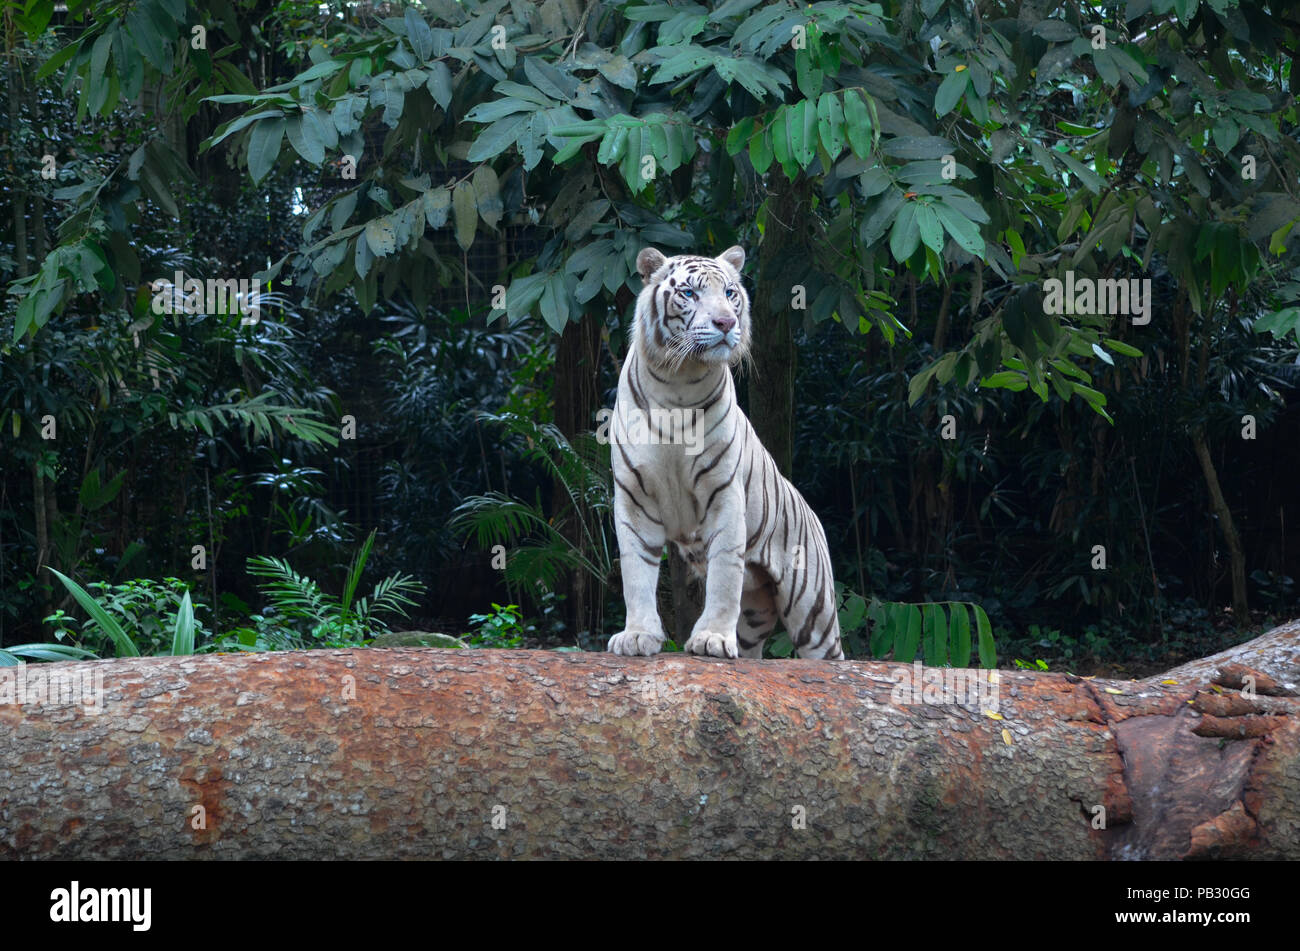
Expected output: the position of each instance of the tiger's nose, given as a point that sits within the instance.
(724, 323)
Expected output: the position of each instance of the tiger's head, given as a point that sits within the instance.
(692, 308)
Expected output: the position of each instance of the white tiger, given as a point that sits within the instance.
(689, 469)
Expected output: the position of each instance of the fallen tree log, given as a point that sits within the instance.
(416, 753)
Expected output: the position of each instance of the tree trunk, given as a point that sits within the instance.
(1236, 555)
(771, 384)
(577, 366)
(687, 597)
(428, 753)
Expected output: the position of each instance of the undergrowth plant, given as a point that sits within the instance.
(306, 616)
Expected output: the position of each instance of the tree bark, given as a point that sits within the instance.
(771, 384)
(1236, 554)
(577, 384)
(413, 753)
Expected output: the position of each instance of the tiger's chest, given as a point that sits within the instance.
(682, 464)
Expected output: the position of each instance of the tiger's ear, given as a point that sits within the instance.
(649, 261)
(735, 256)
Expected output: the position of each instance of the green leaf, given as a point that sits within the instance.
(988, 653)
(499, 109)
(802, 126)
(1005, 380)
(917, 147)
(931, 231)
(830, 124)
(807, 77)
(436, 202)
(760, 150)
(1091, 180)
(963, 231)
(858, 123)
(421, 37)
(555, 303)
(523, 293)
(183, 635)
(739, 135)
(58, 59)
(465, 211)
(935, 637)
(619, 70)
(264, 147)
(908, 625)
(439, 84)
(1055, 31)
(148, 39)
(381, 236)
(905, 236)
(1122, 348)
(882, 215)
(1107, 67)
(305, 139)
(583, 222)
(950, 92)
(960, 645)
(487, 195)
(496, 138)
(125, 646)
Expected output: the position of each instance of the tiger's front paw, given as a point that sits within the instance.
(712, 645)
(635, 643)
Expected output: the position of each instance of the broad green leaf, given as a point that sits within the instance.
(465, 211)
(935, 636)
(801, 123)
(988, 653)
(931, 231)
(487, 195)
(857, 123)
(439, 83)
(436, 202)
(963, 231)
(830, 124)
(264, 147)
(882, 215)
(305, 139)
(499, 109)
(740, 135)
(421, 37)
(950, 92)
(381, 236)
(908, 625)
(496, 138)
(905, 236)
(960, 643)
(555, 303)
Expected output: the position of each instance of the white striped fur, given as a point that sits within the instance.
(735, 519)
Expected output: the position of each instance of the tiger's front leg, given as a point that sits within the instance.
(724, 537)
(640, 547)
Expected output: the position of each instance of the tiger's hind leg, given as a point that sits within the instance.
(813, 623)
(806, 601)
(757, 612)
